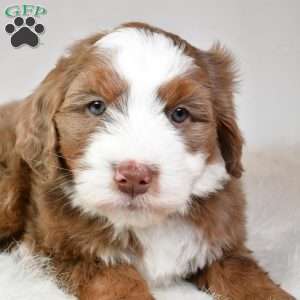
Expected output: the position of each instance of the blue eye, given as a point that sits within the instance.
(97, 108)
(179, 115)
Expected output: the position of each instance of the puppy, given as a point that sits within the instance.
(123, 167)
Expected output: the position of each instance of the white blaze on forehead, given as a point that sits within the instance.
(144, 59)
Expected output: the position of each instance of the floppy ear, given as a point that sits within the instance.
(35, 132)
(222, 78)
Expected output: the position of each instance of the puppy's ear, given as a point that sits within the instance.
(222, 79)
(35, 132)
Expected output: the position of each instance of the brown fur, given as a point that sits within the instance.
(200, 131)
(237, 276)
(42, 137)
(119, 282)
(13, 181)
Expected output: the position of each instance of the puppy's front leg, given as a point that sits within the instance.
(120, 282)
(238, 277)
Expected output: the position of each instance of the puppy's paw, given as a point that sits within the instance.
(121, 282)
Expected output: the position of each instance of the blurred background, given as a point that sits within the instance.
(264, 36)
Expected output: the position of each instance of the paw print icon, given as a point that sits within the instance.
(24, 32)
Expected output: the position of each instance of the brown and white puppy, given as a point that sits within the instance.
(123, 167)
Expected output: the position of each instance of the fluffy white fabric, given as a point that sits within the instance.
(272, 188)
(22, 278)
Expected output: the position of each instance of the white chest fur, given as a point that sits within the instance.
(172, 250)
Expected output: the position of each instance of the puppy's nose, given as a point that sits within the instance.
(133, 178)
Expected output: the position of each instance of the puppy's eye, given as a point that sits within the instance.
(97, 108)
(179, 115)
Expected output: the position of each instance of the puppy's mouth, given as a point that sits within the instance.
(137, 203)
(134, 202)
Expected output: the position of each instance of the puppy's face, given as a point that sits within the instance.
(138, 129)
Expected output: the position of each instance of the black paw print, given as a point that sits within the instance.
(24, 34)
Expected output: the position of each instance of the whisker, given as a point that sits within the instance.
(51, 165)
(61, 156)
(58, 186)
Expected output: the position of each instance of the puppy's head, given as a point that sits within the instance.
(141, 119)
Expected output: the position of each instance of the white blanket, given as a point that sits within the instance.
(272, 185)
